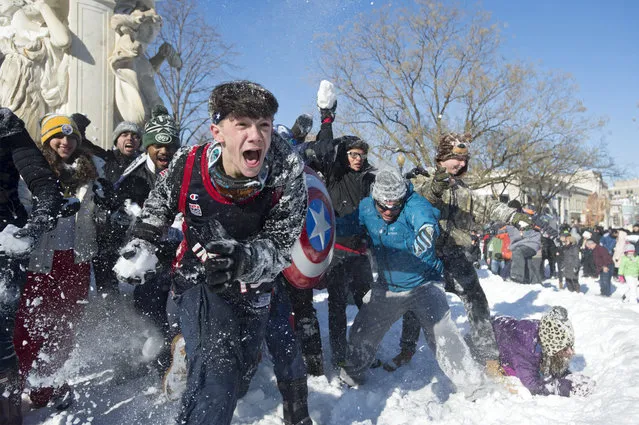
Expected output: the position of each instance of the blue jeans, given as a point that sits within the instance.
(496, 266)
(604, 281)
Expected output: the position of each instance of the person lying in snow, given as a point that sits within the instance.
(538, 352)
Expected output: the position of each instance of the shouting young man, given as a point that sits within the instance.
(244, 201)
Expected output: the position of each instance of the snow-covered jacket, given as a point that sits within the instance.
(629, 266)
(20, 157)
(404, 262)
(84, 246)
(461, 208)
(520, 355)
(282, 225)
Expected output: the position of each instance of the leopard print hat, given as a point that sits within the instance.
(555, 331)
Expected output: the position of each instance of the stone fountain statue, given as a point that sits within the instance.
(34, 42)
(137, 24)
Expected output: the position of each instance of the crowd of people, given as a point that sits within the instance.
(596, 252)
(205, 232)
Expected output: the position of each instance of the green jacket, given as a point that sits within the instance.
(629, 266)
(461, 209)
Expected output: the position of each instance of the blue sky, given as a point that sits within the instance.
(597, 42)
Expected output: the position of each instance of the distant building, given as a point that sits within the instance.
(624, 203)
(572, 204)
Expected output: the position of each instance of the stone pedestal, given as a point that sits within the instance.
(91, 83)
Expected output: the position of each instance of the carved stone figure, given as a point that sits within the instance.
(135, 90)
(34, 41)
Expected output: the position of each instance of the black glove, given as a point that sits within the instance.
(223, 257)
(417, 171)
(521, 220)
(70, 206)
(225, 263)
(120, 218)
(104, 194)
(441, 181)
(328, 115)
(35, 227)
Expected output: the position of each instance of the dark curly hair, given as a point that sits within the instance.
(241, 99)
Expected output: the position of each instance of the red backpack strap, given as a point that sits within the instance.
(186, 178)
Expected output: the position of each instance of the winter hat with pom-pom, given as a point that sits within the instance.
(160, 129)
(389, 185)
(555, 331)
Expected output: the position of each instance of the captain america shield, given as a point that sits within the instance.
(313, 251)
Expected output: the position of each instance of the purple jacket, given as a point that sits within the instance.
(520, 356)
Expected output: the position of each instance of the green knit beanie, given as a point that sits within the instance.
(160, 129)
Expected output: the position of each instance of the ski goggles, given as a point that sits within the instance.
(389, 207)
(356, 155)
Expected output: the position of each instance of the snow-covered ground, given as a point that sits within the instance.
(104, 365)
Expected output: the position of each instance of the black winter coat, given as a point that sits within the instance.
(19, 156)
(570, 263)
(282, 225)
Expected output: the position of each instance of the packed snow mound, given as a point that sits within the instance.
(606, 344)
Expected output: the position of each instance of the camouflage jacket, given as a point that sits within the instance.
(461, 209)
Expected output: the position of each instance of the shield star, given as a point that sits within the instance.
(321, 225)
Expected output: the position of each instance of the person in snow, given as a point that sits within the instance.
(461, 209)
(403, 227)
(19, 157)
(60, 265)
(244, 201)
(569, 264)
(126, 144)
(525, 243)
(629, 273)
(348, 176)
(161, 140)
(603, 263)
(126, 138)
(538, 352)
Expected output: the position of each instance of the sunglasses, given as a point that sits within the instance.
(356, 155)
(391, 208)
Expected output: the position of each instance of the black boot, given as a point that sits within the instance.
(295, 402)
(10, 398)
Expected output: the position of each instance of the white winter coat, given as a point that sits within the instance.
(85, 246)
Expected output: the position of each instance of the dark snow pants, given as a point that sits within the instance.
(306, 323)
(223, 335)
(281, 338)
(348, 274)
(461, 279)
(13, 276)
(288, 364)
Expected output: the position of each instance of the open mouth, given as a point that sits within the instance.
(252, 157)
